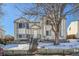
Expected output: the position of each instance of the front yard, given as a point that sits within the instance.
(44, 48)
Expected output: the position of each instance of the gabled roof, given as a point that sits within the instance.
(23, 18)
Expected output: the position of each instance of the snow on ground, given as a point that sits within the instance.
(10, 46)
(72, 44)
(16, 47)
(1, 45)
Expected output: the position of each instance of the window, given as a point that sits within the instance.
(20, 35)
(27, 25)
(48, 33)
(21, 25)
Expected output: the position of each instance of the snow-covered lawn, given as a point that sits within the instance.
(72, 44)
(16, 47)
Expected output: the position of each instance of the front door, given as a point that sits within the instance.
(35, 33)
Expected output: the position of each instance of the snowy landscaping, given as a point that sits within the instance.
(44, 48)
(16, 47)
(67, 45)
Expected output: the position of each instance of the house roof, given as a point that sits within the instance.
(23, 18)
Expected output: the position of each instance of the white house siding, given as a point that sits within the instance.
(45, 28)
(40, 27)
(62, 34)
(22, 31)
(63, 29)
(48, 28)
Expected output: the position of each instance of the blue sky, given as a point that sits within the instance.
(8, 18)
(11, 13)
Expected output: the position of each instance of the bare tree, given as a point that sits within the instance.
(54, 13)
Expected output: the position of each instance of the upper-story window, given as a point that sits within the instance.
(27, 25)
(20, 35)
(21, 25)
(48, 33)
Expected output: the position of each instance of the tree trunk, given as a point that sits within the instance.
(56, 42)
(33, 46)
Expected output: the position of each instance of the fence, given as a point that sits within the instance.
(15, 52)
(57, 51)
(42, 51)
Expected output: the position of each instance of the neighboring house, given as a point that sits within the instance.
(24, 29)
(73, 30)
(8, 38)
(2, 33)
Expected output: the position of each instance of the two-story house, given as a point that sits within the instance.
(24, 29)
